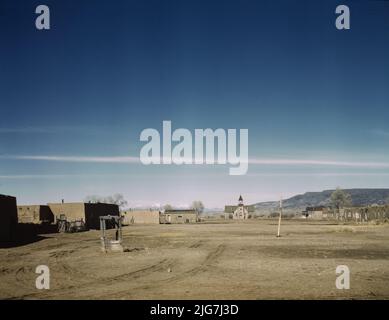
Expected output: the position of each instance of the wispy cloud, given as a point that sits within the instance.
(58, 176)
(73, 158)
(253, 175)
(316, 162)
(34, 176)
(252, 161)
(270, 174)
(40, 129)
(26, 130)
(49, 129)
(320, 174)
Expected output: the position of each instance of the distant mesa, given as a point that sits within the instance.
(359, 197)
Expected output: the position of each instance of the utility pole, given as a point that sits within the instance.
(279, 219)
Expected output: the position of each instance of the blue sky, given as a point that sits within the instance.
(75, 98)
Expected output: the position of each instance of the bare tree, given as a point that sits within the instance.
(340, 199)
(198, 206)
(117, 199)
(167, 207)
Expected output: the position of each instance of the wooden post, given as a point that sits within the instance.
(279, 219)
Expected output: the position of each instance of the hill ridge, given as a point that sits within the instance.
(359, 197)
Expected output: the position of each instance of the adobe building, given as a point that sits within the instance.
(8, 216)
(318, 212)
(37, 214)
(88, 212)
(140, 217)
(239, 212)
(178, 216)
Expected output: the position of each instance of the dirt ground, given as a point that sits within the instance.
(214, 260)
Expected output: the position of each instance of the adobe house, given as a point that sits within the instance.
(140, 217)
(9, 217)
(239, 212)
(88, 212)
(37, 214)
(318, 212)
(179, 216)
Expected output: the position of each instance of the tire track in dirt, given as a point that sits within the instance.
(104, 283)
(66, 269)
(24, 275)
(197, 244)
(204, 265)
(61, 254)
(162, 265)
(66, 242)
(98, 282)
(210, 258)
(93, 284)
(5, 271)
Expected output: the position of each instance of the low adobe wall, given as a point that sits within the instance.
(178, 218)
(35, 214)
(72, 211)
(88, 212)
(141, 217)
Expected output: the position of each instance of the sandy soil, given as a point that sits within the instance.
(234, 260)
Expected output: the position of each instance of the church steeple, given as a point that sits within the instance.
(240, 200)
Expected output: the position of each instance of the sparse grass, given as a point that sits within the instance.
(378, 222)
(343, 229)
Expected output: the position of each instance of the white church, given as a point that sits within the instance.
(239, 212)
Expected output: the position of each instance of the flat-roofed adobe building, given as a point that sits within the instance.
(318, 212)
(179, 216)
(88, 212)
(141, 217)
(37, 214)
(8, 217)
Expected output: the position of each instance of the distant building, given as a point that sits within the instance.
(140, 217)
(318, 212)
(179, 216)
(8, 217)
(87, 212)
(36, 214)
(239, 212)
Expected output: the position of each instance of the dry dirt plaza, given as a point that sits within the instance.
(211, 260)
